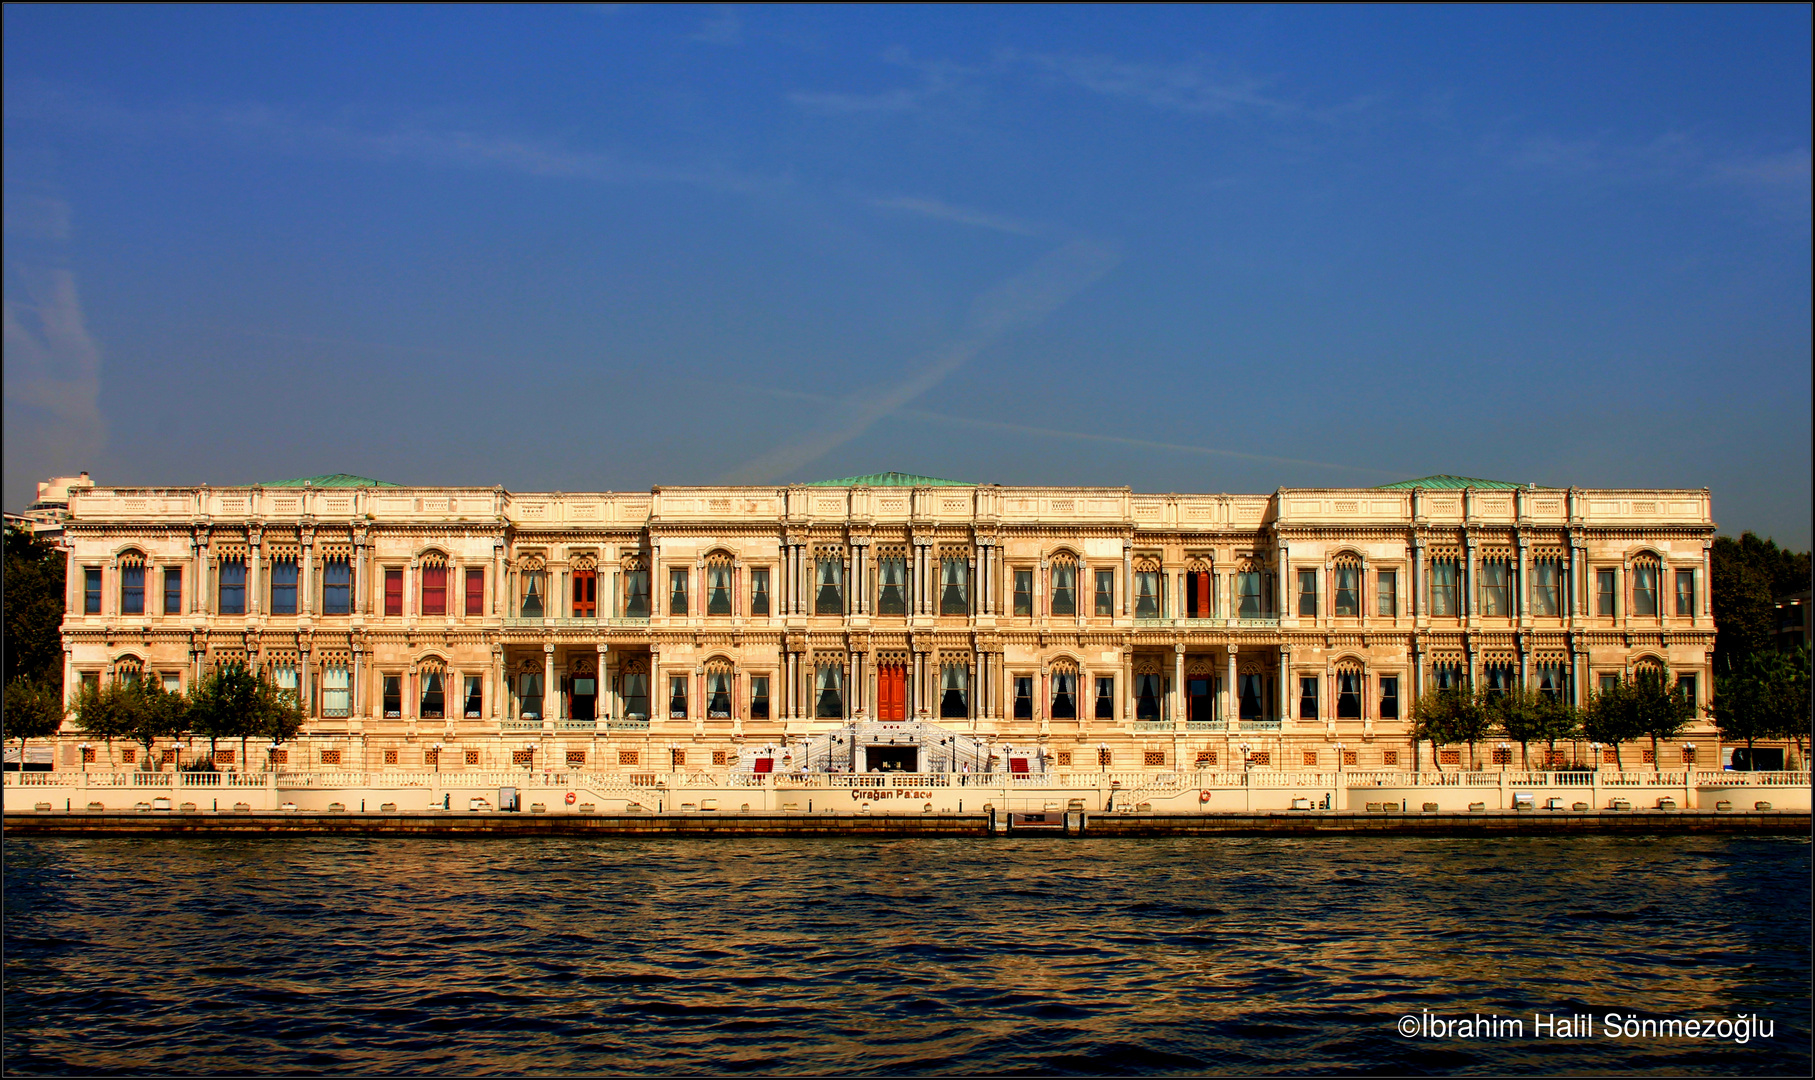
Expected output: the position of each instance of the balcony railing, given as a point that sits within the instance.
(1152, 725)
(627, 723)
(518, 622)
(1260, 725)
(1206, 725)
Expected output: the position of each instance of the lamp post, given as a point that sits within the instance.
(83, 747)
(1246, 761)
(1503, 754)
(271, 756)
(437, 759)
(1341, 753)
(1594, 748)
(529, 763)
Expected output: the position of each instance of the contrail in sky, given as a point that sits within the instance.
(1021, 301)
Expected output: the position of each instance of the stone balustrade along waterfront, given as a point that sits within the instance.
(1211, 792)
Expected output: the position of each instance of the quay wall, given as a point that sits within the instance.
(1071, 825)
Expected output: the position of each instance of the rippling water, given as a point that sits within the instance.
(891, 956)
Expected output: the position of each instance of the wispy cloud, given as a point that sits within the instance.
(725, 27)
(961, 215)
(1023, 300)
(420, 142)
(52, 375)
(1780, 182)
(1194, 87)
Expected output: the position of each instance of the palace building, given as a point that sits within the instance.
(460, 627)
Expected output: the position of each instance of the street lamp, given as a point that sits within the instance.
(1341, 753)
(271, 755)
(1688, 753)
(1594, 748)
(1246, 760)
(1504, 753)
(83, 747)
(437, 758)
(529, 754)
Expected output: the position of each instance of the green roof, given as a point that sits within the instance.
(1443, 481)
(331, 480)
(889, 479)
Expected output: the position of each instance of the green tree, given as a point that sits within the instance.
(104, 711)
(1522, 715)
(1766, 696)
(34, 710)
(1473, 722)
(34, 571)
(280, 712)
(1562, 720)
(1748, 574)
(1659, 711)
(225, 705)
(1612, 718)
(1433, 719)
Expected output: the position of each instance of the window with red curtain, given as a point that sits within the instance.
(393, 592)
(434, 590)
(585, 594)
(475, 592)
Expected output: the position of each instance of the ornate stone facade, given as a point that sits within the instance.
(452, 626)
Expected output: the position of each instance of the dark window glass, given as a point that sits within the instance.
(173, 590)
(1024, 593)
(1388, 582)
(1685, 686)
(132, 590)
(954, 589)
(830, 598)
(336, 587)
(393, 592)
(1389, 697)
(831, 692)
(1644, 589)
(1250, 697)
(474, 696)
(1147, 594)
(432, 704)
(1024, 698)
(1307, 593)
(283, 587)
(1064, 588)
(1146, 697)
(1247, 591)
(718, 591)
(677, 592)
(677, 695)
(636, 697)
(759, 697)
(91, 591)
(1105, 709)
(532, 594)
(585, 696)
(636, 594)
(393, 695)
(891, 581)
(1685, 592)
(1348, 591)
(233, 587)
(1105, 593)
(1605, 586)
(1307, 698)
(759, 592)
(1348, 695)
(529, 695)
(1064, 695)
(952, 703)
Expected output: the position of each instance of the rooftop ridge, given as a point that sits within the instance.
(1445, 481)
(330, 480)
(889, 479)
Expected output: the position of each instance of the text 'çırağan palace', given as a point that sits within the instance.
(685, 623)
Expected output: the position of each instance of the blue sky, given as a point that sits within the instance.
(1180, 249)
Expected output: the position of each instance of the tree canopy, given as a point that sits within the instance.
(34, 710)
(34, 608)
(1748, 574)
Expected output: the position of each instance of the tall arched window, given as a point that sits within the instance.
(1200, 590)
(1644, 585)
(529, 692)
(434, 584)
(1547, 572)
(1553, 678)
(1346, 575)
(233, 585)
(336, 685)
(954, 589)
(636, 590)
(1064, 585)
(1348, 691)
(891, 581)
(1448, 674)
(954, 695)
(636, 689)
(586, 587)
(132, 583)
(830, 695)
(1064, 692)
(718, 585)
(1445, 595)
(432, 676)
(718, 690)
(830, 597)
(1148, 690)
(531, 572)
(1496, 587)
(337, 585)
(1500, 676)
(1147, 589)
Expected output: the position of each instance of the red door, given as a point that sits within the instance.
(891, 692)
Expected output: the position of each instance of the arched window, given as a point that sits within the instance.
(1251, 600)
(531, 572)
(128, 670)
(337, 584)
(1252, 685)
(1445, 595)
(1148, 691)
(283, 580)
(132, 583)
(1553, 678)
(586, 586)
(1064, 692)
(891, 581)
(1448, 674)
(1200, 590)
(954, 695)
(1348, 691)
(1064, 585)
(529, 692)
(954, 589)
(1496, 587)
(636, 591)
(432, 675)
(636, 689)
(830, 598)
(718, 585)
(718, 690)
(1500, 676)
(831, 692)
(336, 685)
(1347, 587)
(1146, 589)
(1644, 585)
(1547, 573)
(233, 585)
(434, 583)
